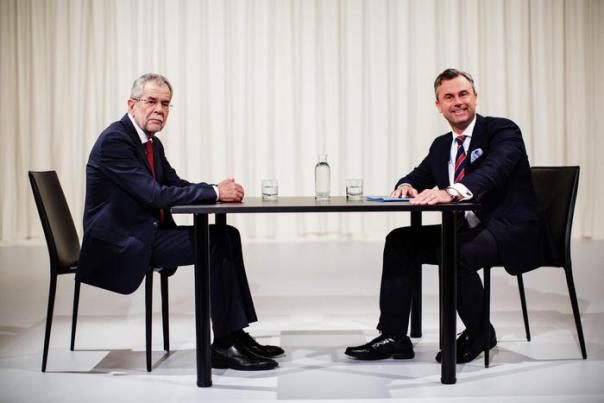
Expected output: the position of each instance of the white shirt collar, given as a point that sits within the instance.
(467, 132)
(141, 134)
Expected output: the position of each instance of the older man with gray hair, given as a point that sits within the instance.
(128, 228)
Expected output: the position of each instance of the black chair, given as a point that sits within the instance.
(64, 251)
(556, 190)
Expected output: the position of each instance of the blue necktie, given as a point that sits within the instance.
(460, 159)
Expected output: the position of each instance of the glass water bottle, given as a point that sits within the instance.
(322, 178)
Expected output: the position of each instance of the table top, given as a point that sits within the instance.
(308, 204)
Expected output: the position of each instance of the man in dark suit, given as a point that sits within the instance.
(483, 159)
(128, 228)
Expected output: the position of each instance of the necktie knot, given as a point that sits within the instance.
(460, 140)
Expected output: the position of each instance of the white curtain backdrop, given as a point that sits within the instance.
(262, 87)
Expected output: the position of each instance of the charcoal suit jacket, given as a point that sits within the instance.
(123, 200)
(497, 172)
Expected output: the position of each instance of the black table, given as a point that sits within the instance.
(448, 275)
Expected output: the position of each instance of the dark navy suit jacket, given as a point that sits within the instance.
(500, 179)
(121, 213)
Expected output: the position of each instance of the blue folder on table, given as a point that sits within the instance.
(388, 199)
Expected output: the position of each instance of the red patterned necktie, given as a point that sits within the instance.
(151, 160)
(460, 159)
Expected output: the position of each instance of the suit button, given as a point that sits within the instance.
(155, 223)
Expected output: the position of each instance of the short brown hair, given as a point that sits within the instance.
(450, 74)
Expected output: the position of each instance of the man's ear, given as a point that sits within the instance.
(131, 103)
(437, 104)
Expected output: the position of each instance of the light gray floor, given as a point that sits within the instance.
(314, 299)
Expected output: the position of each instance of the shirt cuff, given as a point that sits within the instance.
(217, 192)
(464, 192)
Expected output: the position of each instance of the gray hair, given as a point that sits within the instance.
(139, 84)
(450, 74)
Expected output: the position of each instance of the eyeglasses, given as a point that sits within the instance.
(151, 102)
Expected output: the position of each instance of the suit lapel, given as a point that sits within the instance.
(138, 146)
(442, 161)
(477, 142)
(157, 160)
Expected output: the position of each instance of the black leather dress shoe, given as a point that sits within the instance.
(248, 342)
(469, 348)
(238, 357)
(383, 346)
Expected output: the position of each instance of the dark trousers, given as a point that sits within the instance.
(409, 246)
(232, 306)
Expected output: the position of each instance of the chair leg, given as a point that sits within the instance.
(148, 316)
(164, 310)
(573, 301)
(527, 329)
(416, 306)
(487, 314)
(74, 316)
(51, 304)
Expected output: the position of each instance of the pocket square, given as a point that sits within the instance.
(475, 155)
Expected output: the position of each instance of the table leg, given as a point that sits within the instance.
(202, 300)
(220, 218)
(448, 286)
(416, 300)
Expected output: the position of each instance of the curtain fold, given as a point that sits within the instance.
(261, 87)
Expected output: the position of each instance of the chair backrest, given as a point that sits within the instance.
(556, 189)
(60, 232)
